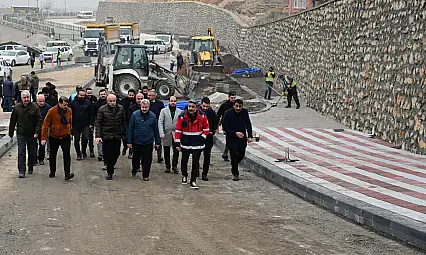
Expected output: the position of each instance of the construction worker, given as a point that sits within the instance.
(269, 77)
(290, 84)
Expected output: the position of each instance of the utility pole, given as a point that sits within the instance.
(28, 3)
(37, 3)
(65, 1)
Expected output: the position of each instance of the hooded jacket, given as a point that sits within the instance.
(189, 134)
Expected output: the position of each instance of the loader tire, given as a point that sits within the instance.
(164, 89)
(125, 82)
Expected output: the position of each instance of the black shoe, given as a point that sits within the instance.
(92, 155)
(160, 160)
(21, 175)
(146, 179)
(184, 180)
(204, 178)
(297, 107)
(109, 177)
(69, 176)
(288, 106)
(130, 156)
(104, 168)
(41, 162)
(52, 175)
(79, 158)
(35, 164)
(140, 170)
(84, 155)
(100, 159)
(30, 171)
(193, 185)
(167, 170)
(225, 157)
(134, 172)
(175, 170)
(123, 152)
(236, 178)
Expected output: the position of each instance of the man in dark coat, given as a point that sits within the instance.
(82, 115)
(7, 95)
(27, 117)
(101, 101)
(92, 98)
(237, 125)
(156, 106)
(213, 124)
(126, 103)
(232, 96)
(110, 130)
(44, 108)
(53, 94)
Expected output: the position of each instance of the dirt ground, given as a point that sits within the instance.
(68, 79)
(90, 215)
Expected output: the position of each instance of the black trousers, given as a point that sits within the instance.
(236, 158)
(82, 133)
(195, 163)
(207, 156)
(292, 93)
(111, 152)
(91, 144)
(142, 154)
(41, 153)
(175, 159)
(268, 89)
(65, 144)
(26, 143)
(41, 64)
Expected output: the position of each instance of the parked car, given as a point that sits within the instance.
(11, 47)
(52, 52)
(16, 57)
(155, 45)
(5, 70)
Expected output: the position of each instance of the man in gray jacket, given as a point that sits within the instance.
(167, 126)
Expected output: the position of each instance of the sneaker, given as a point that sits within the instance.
(146, 179)
(288, 106)
(134, 172)
(21, 175)
(204, 178)
(92, 155)
(69, 176)
(30, 171)
(100, 158)
(184, 180)
(104, 167)
(79, 158)
(236, 178)
(109, 177)
(52, 175)
(193, 185)
(41, 162)
(167, 170)
(297, 107)
(225, 157)
(175, 171)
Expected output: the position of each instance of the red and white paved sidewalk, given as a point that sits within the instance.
(350, 163)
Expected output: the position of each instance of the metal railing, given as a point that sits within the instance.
(72, 27)
(26, 25)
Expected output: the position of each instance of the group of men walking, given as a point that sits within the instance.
(140, 124)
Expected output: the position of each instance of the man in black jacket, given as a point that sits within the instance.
(92, 98)
(126, 103)
(213, 124)
(44, 108)
(28, 118)
(237, 126)
(101, 101)
(135, 107)
(82, 122)
(53, 95)
(156, 106)
(110, 130)
(232, 96)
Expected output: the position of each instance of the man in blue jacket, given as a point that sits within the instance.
(7, 94)
(237, 125)
(141, 135)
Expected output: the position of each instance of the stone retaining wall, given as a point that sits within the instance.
(358, 61)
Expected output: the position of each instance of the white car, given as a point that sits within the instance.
(155, 45)
(51, 53)
(16, 57)
(11, 47)
(5, 70)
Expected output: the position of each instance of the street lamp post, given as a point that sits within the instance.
(65, 1)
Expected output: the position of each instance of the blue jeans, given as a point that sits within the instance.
(172, 66)
(7, 104)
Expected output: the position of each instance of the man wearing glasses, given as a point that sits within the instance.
(237, 125)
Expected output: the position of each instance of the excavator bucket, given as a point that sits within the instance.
(208, 69)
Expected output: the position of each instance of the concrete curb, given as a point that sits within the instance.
(6, 144)
(378, 219)
(58, 68)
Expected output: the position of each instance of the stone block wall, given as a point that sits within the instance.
(361, 62)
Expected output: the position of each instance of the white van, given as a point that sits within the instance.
(85, 15)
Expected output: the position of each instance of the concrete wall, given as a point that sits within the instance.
(358, 61)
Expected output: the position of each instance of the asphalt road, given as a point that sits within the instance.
(90, 215)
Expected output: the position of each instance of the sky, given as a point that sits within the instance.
(90, 5)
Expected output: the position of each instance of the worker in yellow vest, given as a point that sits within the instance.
(290, 84)
(270, 78)
(58, 57)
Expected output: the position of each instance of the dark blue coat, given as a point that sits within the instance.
(156, 107)
(8, 88)
(143, 130)
(234, 122)
(44, 110)
(82, 113)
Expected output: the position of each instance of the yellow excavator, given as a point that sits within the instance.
(205, 53)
